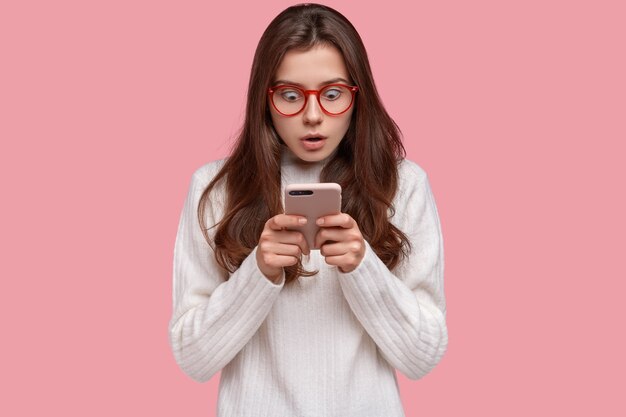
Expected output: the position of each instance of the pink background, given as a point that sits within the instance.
(515, 109)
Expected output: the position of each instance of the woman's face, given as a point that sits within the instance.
(312, 70)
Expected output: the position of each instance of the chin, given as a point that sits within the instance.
(311, 158)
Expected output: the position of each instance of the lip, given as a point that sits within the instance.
(313, 135)
(313, 146)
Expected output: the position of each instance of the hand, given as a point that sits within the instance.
(346, 248)
(278, 248)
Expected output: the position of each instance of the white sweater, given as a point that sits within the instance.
(326, 345)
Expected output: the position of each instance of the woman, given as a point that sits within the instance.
(295, 331)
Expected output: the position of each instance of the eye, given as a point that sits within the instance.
(332, 93)
(289, 94)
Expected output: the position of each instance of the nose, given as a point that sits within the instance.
(312, 111)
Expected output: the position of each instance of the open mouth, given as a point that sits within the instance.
(314, 143)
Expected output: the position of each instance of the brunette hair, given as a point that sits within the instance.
(371, 148)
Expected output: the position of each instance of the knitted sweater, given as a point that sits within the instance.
(323, 346)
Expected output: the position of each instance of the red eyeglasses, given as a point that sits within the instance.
(334, 99)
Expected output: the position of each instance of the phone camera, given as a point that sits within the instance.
(301, 192)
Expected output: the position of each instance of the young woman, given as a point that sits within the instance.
(295, 331)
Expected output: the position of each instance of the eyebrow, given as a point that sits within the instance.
(334, 80)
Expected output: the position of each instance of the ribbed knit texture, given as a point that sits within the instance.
(326, 345)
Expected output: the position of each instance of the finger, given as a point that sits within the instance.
(290, 237)
(343, 220)
(281, 221)
(294, 238)
(281, 249)
(335, 234)
(278, 261)
(345, 263)
(335, 260)
(335, 249)
(304, 245)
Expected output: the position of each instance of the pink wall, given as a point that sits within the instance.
(515, 109)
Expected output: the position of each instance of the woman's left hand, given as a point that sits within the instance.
(346, 248)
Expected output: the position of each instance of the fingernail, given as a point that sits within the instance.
(320, 221)
(302, 220)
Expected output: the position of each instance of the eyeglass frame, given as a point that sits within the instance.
(353, 89)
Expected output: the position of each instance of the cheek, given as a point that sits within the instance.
(277, 121)
(346, 122)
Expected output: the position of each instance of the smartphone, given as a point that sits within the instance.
(312, 201)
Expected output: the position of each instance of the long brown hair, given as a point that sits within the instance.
(370, 148)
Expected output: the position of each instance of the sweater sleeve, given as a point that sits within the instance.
(404, 311)
(213, 317)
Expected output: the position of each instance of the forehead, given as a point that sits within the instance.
(312, 67)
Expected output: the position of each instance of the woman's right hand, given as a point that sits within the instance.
(278, 247)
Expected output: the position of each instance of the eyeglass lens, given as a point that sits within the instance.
(334, 99)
